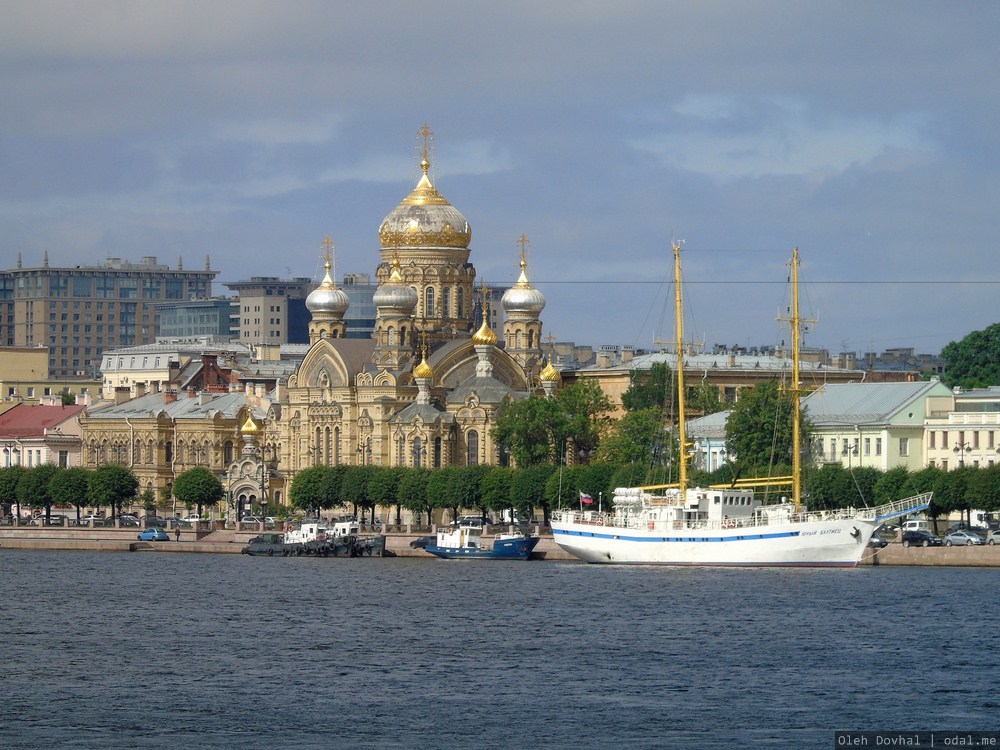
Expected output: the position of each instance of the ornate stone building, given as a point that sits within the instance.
(425, 390)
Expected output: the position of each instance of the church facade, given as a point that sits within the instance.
(425, 390)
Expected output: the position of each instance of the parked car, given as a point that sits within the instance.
(194, 518)
(251, 519)
(154, 521)
(154, 534)
(94, 518)
(877, 542)
(177, 523)
(920, 539)
(963, 538)
(127, 519)
(991, 536)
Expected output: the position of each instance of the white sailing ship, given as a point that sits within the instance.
(681, 525)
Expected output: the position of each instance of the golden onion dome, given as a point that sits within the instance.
(395, 294)
(549, 374)
(425, 219)
(522, 297)
(249, 427)
(485, 335)
(423, 370)
(326, 297)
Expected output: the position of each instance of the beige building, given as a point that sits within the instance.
(24, 379)
(425, 390)
(963, 429)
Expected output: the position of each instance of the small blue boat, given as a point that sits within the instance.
(464, 540)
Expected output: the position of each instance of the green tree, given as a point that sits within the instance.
(310, 490)
(442, 489)
(413, 492)
(198, 487)
(68, 399)
(974, 361)
(111, 485)
(586, 414)
(383, 487)
(354, 486)
(654, 388)
(69, 487)
(633, 438)
(33, 487)
(495, 489)
(9, 477)
(527, 489)
(894, 484)
(759, 428)
(528, 428)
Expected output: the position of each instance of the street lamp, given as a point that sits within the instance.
(961, 450)
(849, 451)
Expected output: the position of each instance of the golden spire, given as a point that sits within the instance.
(549, 373)
(523, 242)
(423, 370)
(396, 277)
(328, 244)
(485, 335)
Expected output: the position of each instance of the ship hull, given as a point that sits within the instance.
(839, 543)
(502, 549)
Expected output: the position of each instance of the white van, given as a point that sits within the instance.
(917, 525)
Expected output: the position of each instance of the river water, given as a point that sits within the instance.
(155, 650)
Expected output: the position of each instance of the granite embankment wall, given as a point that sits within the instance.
(216, 542)
(232, 542)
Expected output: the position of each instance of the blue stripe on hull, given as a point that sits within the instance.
(622, 538)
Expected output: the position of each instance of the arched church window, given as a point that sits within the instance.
(227, 452)
(429, 302)
(517, 340)
(392, 336)
(437, 453)
(459, 302)
(446, 302)
(168, 451)
(473, 455)
(531, 339)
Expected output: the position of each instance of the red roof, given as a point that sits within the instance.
(31, 421)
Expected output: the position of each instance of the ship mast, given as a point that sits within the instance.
(679, 343)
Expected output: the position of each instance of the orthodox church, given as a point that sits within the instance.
(425, 390)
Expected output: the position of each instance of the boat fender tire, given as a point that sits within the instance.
(650, 525)
(270, 553)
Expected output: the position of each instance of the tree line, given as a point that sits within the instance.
(109, 486)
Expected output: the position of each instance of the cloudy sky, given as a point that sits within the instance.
(864, 133)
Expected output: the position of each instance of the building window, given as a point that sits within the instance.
(473, 453)
(868, 446)
(904, 447)
(429, 302)
(878, 446)
(930, 439)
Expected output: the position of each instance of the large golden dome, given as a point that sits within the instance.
(425, 219)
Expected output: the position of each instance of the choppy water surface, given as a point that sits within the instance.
(226, 651)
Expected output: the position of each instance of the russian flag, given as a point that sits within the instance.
(586, 499)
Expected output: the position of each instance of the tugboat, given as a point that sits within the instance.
(266, 545)
(464, 540)
(343, 539)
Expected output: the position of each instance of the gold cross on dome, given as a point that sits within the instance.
(426, 136)
(523, 242)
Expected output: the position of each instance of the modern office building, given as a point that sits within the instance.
(216, 317)
(273, 310)
(80, 311)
